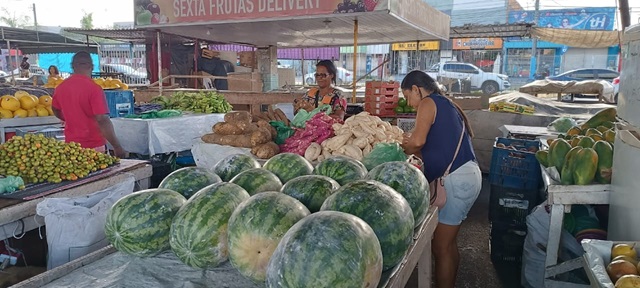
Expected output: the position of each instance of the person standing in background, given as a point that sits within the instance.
(82, 104)
(24, 67)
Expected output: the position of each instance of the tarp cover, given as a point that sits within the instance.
(164, 270)
(578, 38)
(548, 106)
(596, 87)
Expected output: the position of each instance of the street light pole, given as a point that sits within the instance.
(533, 67)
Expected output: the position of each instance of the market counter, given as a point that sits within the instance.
(109, 268)
(159, 136)
(21, 215)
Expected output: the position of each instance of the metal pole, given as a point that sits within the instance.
(533, 68)
(35, 21)
(9, 48)
(302, 67)
(159, 48)
(355, 59)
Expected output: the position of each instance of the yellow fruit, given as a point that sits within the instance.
(124, 86)
(10, 103)
(626, 258)
(34, 97)
(5, 114)
(5, 96)
(27, 102)
(32, 112)
(624, 249)
(45, 100)
(21, 113)
(628, 281)
(42, 111)
(619, 268)
(50, 111)
(20, 93)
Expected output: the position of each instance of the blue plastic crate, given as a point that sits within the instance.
(512, 206)
(120, 102)
(515, 168)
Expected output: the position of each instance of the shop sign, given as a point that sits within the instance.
(477, 43)
(588, 18)
(167, 12)
(412, 46)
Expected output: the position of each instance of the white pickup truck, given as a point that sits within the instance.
(489, 83)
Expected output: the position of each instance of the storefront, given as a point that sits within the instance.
(482, 52)
(409, 56)
(517, 60)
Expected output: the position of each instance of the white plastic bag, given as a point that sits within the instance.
(75, 226)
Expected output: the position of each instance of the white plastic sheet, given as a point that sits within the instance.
(208, 155)
(75, 226)
(598, 253)
(164, 270)
(158, 136)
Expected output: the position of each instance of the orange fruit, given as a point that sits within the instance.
(45, 100)
(10, 103)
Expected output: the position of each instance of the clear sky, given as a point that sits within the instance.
(67, 13)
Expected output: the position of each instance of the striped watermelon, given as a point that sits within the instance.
(256, 227)
(288, 166)
(407, 180)
(199, 229)
(327, 249)
(311, 190)
(232, 165)
(139, 223)
(187, 181)
(384, 209)
(257, 180)
(342, 169)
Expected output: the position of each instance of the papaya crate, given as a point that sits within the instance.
(596, 257)
(514, 164)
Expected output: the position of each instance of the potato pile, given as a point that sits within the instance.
(355, 138)
(239, 130)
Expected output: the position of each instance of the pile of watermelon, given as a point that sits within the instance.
(280, 224)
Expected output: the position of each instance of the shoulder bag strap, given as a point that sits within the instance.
(317, 96)
(455, 155)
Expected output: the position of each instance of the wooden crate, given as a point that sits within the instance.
(470, 102)
(248, 59)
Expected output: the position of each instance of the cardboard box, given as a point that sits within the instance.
(248, 59)
(286, 76)
(469, 102)
(241, 81)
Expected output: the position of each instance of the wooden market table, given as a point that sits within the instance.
(21, 214)
(560, 198)
(419, 253)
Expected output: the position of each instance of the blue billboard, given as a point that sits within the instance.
(597, 18)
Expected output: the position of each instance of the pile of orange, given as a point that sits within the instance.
(22, 105)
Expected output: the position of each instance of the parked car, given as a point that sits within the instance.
(344, 76)
(586, 74)
(129, 74)
(33, 70)
(489, 83)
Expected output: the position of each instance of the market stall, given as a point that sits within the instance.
(17, 210)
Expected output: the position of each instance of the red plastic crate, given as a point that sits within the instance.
(380, 109)
(382, 88)
(381, 98)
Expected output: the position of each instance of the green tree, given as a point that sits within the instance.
(14, 20)
(87, 21)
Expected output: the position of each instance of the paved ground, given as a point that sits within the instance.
(476, 268)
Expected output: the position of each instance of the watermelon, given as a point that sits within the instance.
(199, 229)
(256, 227)
(407, 180)
(288, 166)
(139, 223)
(257, 180)
(232, 165)
(327, 249)
(187, 181)
(342, 169)
(384, 209)
(311, 190)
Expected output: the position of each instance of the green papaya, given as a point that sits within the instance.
(602, 129)
(592, 131)
(585, 165)
(559, 152)
(609, 124)
(610, 136)
(604, 115)
(566, 175)
(550, 161)
(586, 142)
(542, 156)
(575, 130)
(605, 161)
(575, 140)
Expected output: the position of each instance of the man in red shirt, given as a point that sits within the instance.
(83, 106)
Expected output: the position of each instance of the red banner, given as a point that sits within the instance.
(163, 12)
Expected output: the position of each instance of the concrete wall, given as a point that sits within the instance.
(486, 126)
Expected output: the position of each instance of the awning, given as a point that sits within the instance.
(579, 38)
(33, 42)
(492, 31)
(139, 36)
(311, 23)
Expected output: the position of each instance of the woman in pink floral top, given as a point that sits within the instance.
(325, 93)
